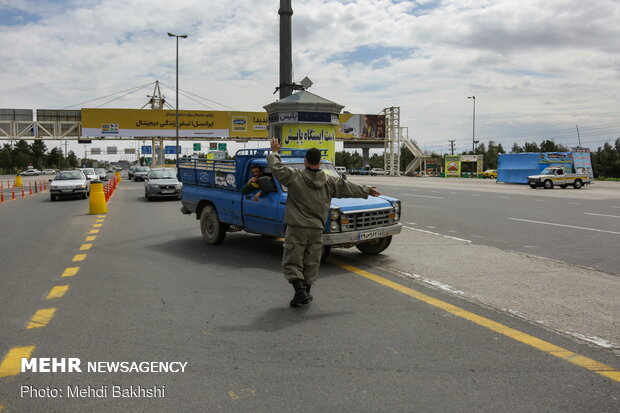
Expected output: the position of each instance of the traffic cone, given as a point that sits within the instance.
(30, 187)
(97, 199)
(13, 194)
(23, 193)
(2, 197)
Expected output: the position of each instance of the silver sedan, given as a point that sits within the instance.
(162, 183)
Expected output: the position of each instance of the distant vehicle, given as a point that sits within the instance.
(162, 183)
(31, 172)
(341, 169)
(69, 184)
(490, 173)
(103, 175)
(557, 176)
(90, 173)
(131, 170)
(377, 171)
(140, 173)
(48, 172)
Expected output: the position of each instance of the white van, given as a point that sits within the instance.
(341, 169)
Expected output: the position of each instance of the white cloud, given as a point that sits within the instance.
(532, 65)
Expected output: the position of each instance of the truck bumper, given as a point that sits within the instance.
(356, 237)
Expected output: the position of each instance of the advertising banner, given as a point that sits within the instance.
(453, 165)
(369, 127)
(582, 161)
(248, 124)
(153, 123)
(306, 136)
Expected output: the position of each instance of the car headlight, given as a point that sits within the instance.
(80, 186)
(396, 206)
(154, 186)
(178, 186)
(334, 214)
(334, 226)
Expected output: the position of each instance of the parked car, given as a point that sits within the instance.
(377, 171)
(103, 175)
(140, 173)
(31, 172)
(162, 183)
(69, 184)
(90, 173)
(48, 172)
(490, 173)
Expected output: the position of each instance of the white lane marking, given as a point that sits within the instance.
(430, 227)
(452, 231)
(602, 215)
(562, 225)
(613, 206)
(411, 223)
(424, 196)
(505, 197)
(435, 233)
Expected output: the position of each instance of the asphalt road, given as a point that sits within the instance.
(580, 227)
(148, 289)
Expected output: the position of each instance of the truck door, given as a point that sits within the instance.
(265, 215)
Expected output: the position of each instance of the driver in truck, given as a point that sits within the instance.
(309, 195)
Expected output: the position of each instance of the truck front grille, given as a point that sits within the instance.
(368, 219)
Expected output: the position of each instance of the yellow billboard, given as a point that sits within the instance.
(306, 136)
(162, 123)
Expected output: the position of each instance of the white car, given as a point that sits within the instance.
(48, 172)
(31, 172)
(69, 183)
(90, 173)
(377, 171)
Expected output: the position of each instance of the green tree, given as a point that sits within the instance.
(516, 148)
(406, 157)
(6, 160)
(54, 159)
(38, 150)
(531, 147)
(73, 160)
(376, 161)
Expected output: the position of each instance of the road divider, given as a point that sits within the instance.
(97, 199)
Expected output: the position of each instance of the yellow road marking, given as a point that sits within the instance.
(86, 247)
(100, 216)
(11, 365)
(57, 291)
(99, 220)
(70, 271)
(2, 407)
(79, 257)
(519, 336)
(91, 238)
(93, 231)
(97, 225)
(41, 318)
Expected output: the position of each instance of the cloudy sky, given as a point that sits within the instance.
(537, 68)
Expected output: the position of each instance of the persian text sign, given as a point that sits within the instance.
(306, 136)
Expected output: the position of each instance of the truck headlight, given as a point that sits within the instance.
(334, 214)
(334, 226)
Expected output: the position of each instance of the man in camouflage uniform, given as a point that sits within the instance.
(309, 196)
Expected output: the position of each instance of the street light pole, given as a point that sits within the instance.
(473, 130)
(176, 147)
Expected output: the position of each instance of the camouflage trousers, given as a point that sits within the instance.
(302, 253)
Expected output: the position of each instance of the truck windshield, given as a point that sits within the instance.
(548, 171)
(328, 168)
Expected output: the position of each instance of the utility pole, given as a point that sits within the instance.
(451, 146)
(578, 137)
(473, 130)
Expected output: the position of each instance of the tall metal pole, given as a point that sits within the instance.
(473, 130)
(176, 147)
(286, 54)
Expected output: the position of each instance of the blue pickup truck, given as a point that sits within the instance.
(212, 191)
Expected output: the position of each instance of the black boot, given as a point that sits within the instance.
(301, 296)
(308, 287)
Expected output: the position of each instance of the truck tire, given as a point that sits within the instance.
(548, 184)
(53, 197)
(213, 231)
(533, 186)
(577, 184)
(376, 246)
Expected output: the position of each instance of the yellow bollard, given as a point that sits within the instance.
(18, 181)
(118, 175)
(97, 199)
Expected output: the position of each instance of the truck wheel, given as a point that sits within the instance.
(533, 186)
(213, 231)
(577, 184)
(375, 247)
(53, 198)
(548, 184)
